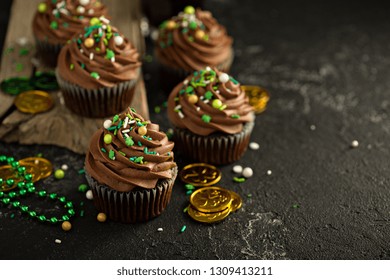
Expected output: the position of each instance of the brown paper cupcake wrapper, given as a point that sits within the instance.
(216, 148)
(97, 103)
(135, 206)
(47, 53)
(171, 77)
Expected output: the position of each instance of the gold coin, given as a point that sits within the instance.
(200, 174)
(7, 172)
(258, 97)
(207, 217)
(236, 201)
(211, 199)
(33, 102)
(45, 167)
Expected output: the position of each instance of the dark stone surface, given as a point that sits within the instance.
(325, 63)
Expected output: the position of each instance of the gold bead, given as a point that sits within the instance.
(142, 130)
(101, 217)
(199, 34)
(193, 98)
(89, 42)
(66, 226)
(171, 24)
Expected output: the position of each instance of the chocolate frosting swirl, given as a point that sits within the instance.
(193, 41)
(101, 57)
(209, 101)
(59, 21)
(130, 160)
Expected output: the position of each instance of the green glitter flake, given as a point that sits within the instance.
(129, 141)
(19, 67)
(239, 180)
(23, 52)
(95, 75)
(208, 95)
(295, 206)
(235, 116)
(111, 154)
(54, 25)
(206, 118)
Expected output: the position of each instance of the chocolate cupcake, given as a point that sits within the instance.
(211, 116)
(55, 22)
(189, 42)
(130, 168)
(97, 71)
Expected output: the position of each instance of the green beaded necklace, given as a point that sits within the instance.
(26, 186)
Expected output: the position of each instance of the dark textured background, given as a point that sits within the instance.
(325, 63)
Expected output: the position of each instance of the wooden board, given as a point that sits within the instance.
(59, 126)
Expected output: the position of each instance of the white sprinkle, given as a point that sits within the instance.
(91, 11)
(64, 11)
(208, 69)
(58, 241)
(118, 40)
(126, 122)
(126, 135)
(89, 195)
(81, 50)
(104, 26)
(178, 107)
(132, 121)
(158, 154)
(80, 9)
(160, 229)
(355, 144)
(217, 91)
(64, 167)
(184, 24)
(228, 90)
(126, 131)
(54, 11)
(59, 4)
(206, 101)
(269, 172)
(22, 41)
(223, 78)
(181, 115)
(185, 82)
(198, 109)
(201, 98)
(107, 124)
(112, 59)
(247, 172)
(100, 31)
(84, 2)
(104, 20)
(237, 169)
(254, 146)
(91, 56)
(313, 127)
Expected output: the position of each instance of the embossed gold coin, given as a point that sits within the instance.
(211, 199)
(207, 217)
(236, 201)
(200, 174)
(34, 101)
(7, 172)
(45, 167)
(258, 97)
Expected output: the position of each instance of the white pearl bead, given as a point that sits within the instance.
(355, 144)
(223, 78)
(160, 229)
(247, 172)
(84, 2)
(80, 9)
(254, 146)
(64, 167)
(237, 169)
(208, 69)
(89, 195)
(107, 124)
(269, 172)
(118, 40)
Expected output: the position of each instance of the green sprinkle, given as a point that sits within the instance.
(183, 229)
(180, 92)
(81, 203)
(83, 188)
(157, 109)
(81, 213)
(185, 209)
(103, 150)
(54, 25)
(129, 141)
(23, 52)
(223, 107)
(105, 41)
(235, 116)
(19, 67)
(295, 206)
(192, 25)
(189, 192)
(82, 65)
(139, 160)
(189, 187)
(189, 89)
(65, 24)
(9, 50)
(133, 110)
(122, 153)
(12, 215)
(139, 143)
(165, 104)
(97, 49)
(206, 118)
(95, 75)
(249, 195)
(206, 37)
(185, 30)
(81, 171)
(162, 45)
(208, 95)
(239, 180)
(71, 66)
(115, 118)
(234, 81)
(111, 154)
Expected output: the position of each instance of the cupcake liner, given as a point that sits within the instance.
(47, 53)
(216, 148)
(97, 103)
(138, 205)
(170, 76)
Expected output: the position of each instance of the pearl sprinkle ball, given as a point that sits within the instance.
(355, 144)
(89, 195)
(107, 124)
(247, 172)
(84, 2)
(118, 40)
(223, 78)
(237, 169)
